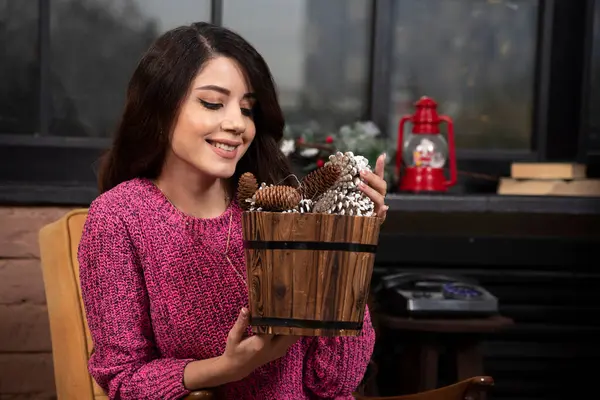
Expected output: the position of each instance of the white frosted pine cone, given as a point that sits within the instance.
(348, 203)
(326, 201)
(350, 165)
(344, 197)
(305, 206)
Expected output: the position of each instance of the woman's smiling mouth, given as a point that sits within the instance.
(224, 148)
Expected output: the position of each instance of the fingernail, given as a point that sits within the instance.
(244, 312)
(363, 172)
(384, 156)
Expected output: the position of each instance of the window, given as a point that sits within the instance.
(497, 67)
(589, 144)
(476, 59)
(95, 46)
(19, 95)
(594, 106)
(65, 67)
(318, 52)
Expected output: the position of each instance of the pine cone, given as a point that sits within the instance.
(305, 206)
(350, 166)
(277, 198)
(247, 186)
(345, 202)
(319, 181)
(344, 197)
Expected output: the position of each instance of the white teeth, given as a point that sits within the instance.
(223, 146)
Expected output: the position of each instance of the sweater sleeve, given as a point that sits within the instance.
(125, 361)
(334, 367)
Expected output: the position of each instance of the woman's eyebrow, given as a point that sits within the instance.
(223, 90)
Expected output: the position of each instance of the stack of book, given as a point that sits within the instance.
(549, 179)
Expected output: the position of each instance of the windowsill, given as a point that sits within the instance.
(493, 203)
(46, 195)
(82, 196)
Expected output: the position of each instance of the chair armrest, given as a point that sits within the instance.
(201, 395)
(468, 389)
(479, 387)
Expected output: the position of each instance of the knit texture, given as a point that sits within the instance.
(159, 293)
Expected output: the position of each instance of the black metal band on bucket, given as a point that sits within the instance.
(305, 323)
(319, 246)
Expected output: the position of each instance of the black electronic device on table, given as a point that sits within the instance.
(431, 295)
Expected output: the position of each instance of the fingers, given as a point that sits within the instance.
(236, 334)
(375, 186)
(265, 337)
(287, 340)
(380, 207)
(374, 195)
(271, 347)
(380, 165)
(382, 212)
(281, 343)
(374, 181)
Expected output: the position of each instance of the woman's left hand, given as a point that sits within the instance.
(375, 187)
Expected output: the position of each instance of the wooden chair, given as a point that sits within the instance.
(71, 340)
(469, 389)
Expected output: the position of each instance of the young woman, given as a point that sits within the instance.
(161, 258)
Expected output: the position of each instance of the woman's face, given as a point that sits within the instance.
(215, 127)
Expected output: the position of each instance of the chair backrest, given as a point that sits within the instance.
(468, 389)
(71, 340)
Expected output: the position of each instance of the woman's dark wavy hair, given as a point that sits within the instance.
(157, 89)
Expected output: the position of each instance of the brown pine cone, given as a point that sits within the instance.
(319, 181)
(277, 198)
(247, 186)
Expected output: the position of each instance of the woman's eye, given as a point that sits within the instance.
(215, 106)
(210, 106)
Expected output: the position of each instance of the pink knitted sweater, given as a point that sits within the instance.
(159, 293)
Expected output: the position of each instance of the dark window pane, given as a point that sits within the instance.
(96, 45)
(318, 52)
(19, 66)
(476, 59)
(595, 78)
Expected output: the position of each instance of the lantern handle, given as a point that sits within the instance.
(451, 150)
(400, 144)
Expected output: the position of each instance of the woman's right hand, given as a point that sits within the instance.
(244, 354)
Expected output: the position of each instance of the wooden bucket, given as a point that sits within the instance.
(309, 274)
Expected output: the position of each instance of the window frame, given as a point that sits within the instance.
(62, 172)
(554, 105)
(589, 151)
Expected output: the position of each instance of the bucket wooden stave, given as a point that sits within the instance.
(309, 274)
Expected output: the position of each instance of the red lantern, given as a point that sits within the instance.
(424, 152)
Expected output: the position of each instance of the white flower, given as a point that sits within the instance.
(345, 130)
(309, 152)
(369, 128)
(287, 146)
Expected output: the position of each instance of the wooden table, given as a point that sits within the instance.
(423, 340)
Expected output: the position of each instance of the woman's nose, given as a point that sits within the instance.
(234, 122)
